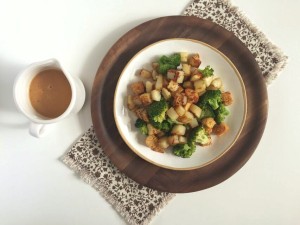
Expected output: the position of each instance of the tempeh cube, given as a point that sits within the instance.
(194, 60)
(138, 87)
(173, 86)
(146, 99)
(145, 73)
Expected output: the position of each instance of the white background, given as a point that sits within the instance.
(37, 188)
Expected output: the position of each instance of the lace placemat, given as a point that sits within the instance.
(269, 57)
(136, 203)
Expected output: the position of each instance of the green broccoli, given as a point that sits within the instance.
(157, 111)
(207, 71)
(212, 98)
(142, 126)
(221, 113)
(165, 125)
(168, 62)
(184, 150)
(198, 135)
(207, 111)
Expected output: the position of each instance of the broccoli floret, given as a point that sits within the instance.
(199, 136)
(157, 111)
(168, 62)
(165, 125)
(207, 71)
(221, 113)
(212, 98)
(184, 150)
(142, 126)
(207, 111)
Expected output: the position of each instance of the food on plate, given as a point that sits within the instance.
(178, 104)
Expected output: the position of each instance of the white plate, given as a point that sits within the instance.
(223, 68)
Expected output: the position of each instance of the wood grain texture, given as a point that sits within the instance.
(104, 86)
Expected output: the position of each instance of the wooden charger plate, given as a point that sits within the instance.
(150, 175)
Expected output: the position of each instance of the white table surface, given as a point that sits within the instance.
(37, 188)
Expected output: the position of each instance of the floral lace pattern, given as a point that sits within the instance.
(269, 57)
(135, 202)
(139, 204)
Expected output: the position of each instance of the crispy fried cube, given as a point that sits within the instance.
(138, 88)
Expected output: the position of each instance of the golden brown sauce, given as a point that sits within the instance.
(50, 93)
